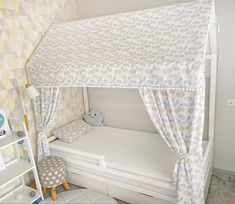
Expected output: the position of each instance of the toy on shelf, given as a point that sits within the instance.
(20, 134)
(32, 193)
(2, 132)
(4, 126)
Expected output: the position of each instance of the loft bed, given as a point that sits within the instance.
(161, 52)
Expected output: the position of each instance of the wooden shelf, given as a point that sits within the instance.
(24, 191)
(14, 171)
(9, 140)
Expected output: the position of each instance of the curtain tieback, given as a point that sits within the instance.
(181, 157)
(188, 154)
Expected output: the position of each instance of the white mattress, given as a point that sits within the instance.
(126, 150)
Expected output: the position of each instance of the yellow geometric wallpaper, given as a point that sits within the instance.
(22, 25)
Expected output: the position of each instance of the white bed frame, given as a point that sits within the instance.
(135, 194)
(96, 177)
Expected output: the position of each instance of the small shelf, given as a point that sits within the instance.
(9, 140)
(24, 190)
(14, 171)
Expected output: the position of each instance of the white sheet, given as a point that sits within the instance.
(132, 151)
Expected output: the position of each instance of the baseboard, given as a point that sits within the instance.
(218, 170)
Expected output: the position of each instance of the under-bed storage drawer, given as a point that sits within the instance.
(83, 181)
(133, 197)
(119, 190)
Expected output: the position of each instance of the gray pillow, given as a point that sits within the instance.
(72, 131)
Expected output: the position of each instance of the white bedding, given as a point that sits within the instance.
(126, 150)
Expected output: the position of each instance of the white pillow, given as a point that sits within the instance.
(72, 131)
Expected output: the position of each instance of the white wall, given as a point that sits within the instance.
(225, 117)
(123, 108)
(93, 8)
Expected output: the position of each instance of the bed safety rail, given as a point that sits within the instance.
(95, 159)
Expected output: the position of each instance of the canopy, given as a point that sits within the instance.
(161, 47)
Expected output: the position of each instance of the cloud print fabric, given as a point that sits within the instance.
(160, 47)
(161, 52)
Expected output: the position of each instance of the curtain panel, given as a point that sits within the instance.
(46, 106)
(178, 116)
